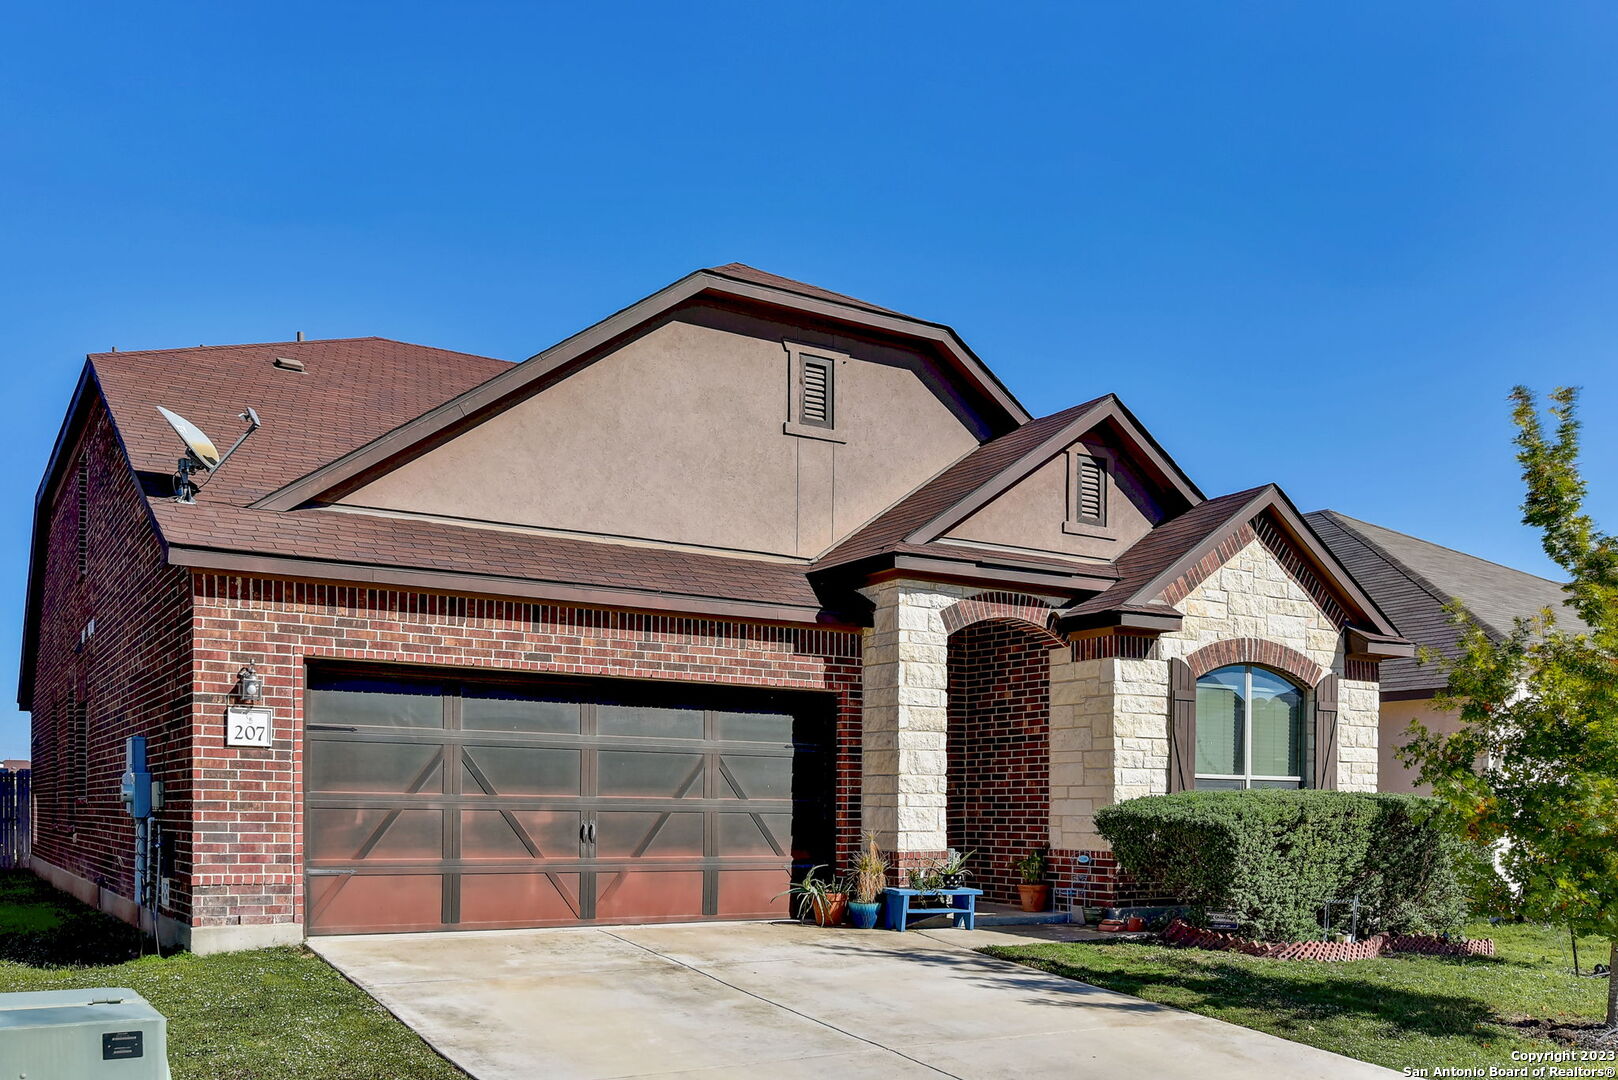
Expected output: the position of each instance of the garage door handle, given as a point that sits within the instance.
(587, 833)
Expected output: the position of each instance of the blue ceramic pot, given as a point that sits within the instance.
(863, 916)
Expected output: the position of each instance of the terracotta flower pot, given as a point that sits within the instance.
(833, 911)
(1035, 897)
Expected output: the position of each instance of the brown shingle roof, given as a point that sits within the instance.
(1412, 579)
(1165, 545)
(887, 531)
(743, 272)
(351, 392)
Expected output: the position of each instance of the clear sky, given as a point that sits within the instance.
(1307, 243)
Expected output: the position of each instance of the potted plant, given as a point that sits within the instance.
(820, 899)
(1035, 891)
(867, 880)
(952, 871)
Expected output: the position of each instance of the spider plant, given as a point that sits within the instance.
(817, 896)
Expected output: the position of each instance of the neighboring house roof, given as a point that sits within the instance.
(1413, 580)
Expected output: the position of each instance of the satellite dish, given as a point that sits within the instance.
(198, 445)
(200, 452)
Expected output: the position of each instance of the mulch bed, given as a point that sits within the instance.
(1184, 934)
(1585, 1034)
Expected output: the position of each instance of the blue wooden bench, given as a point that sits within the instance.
(963, 906)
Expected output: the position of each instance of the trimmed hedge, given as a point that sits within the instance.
(1270, 857)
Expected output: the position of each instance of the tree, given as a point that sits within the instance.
(1535, 762)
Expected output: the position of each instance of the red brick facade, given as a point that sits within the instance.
(131, 676)
(999, 749)
(249, 851)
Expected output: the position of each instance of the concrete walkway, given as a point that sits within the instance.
(782, 1000)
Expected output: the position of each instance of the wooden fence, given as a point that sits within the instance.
(14, 819)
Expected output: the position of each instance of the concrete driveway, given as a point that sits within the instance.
(782, 1000)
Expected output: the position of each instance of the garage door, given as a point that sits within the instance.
(443, 803)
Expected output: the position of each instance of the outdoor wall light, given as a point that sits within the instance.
(249, 686)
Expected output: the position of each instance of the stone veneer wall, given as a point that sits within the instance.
(904, 739)
(999, 726)
(1110, 717)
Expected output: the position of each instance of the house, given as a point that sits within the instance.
(1414, 582)
(627, 631)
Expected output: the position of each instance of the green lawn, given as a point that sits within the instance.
(1420, 1011)
(270, 1014)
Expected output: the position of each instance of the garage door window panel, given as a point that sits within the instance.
(499, 709)
(520, 834)
(375, 767)
(634, 774)
(648, 834)
(372, 834)
(365, 701)
(519, 770)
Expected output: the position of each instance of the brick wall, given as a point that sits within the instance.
(999, 761)
(131, 677)
(249, 812)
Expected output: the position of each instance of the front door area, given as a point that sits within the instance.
(441, 802)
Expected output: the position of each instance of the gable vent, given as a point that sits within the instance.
(1091, 494)
(816, 392)
(287, 363)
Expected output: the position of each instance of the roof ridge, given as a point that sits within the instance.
(1445, 547)
(306, 341)
(1429, 586)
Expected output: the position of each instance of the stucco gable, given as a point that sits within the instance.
(733, 285)
(1037, 513)
(683, 434)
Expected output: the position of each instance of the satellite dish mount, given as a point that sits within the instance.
(200, 452)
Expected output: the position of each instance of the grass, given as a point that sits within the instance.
(1419, 1011)
(269, 1014)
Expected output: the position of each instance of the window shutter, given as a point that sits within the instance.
(1326, 733)
(1182, 727)
(816, 406)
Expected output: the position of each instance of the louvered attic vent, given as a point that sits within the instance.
(816, 408)
(1090, 495)
(288, 363)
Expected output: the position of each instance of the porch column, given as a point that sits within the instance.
(906, 655)
(1109, 740)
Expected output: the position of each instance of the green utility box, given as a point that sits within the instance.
(105, 1033)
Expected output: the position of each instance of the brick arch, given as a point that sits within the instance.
(1268, 654)
(1016, 607)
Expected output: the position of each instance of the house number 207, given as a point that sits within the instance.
(249, 725)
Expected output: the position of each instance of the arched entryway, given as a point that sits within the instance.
(998, 747)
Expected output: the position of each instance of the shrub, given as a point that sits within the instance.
(1272, 857)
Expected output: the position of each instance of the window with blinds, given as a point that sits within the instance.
(815, 401)
(1088, 497)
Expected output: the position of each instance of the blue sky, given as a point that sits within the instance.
(1307, 243)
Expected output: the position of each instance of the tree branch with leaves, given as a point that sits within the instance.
(1534, 764)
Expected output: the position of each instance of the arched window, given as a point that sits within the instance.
(1251, 730)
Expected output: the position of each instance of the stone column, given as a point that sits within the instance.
(1359, 708)
(1109, 740)
(906, 654)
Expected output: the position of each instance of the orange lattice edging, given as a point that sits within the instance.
(1182, 933)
